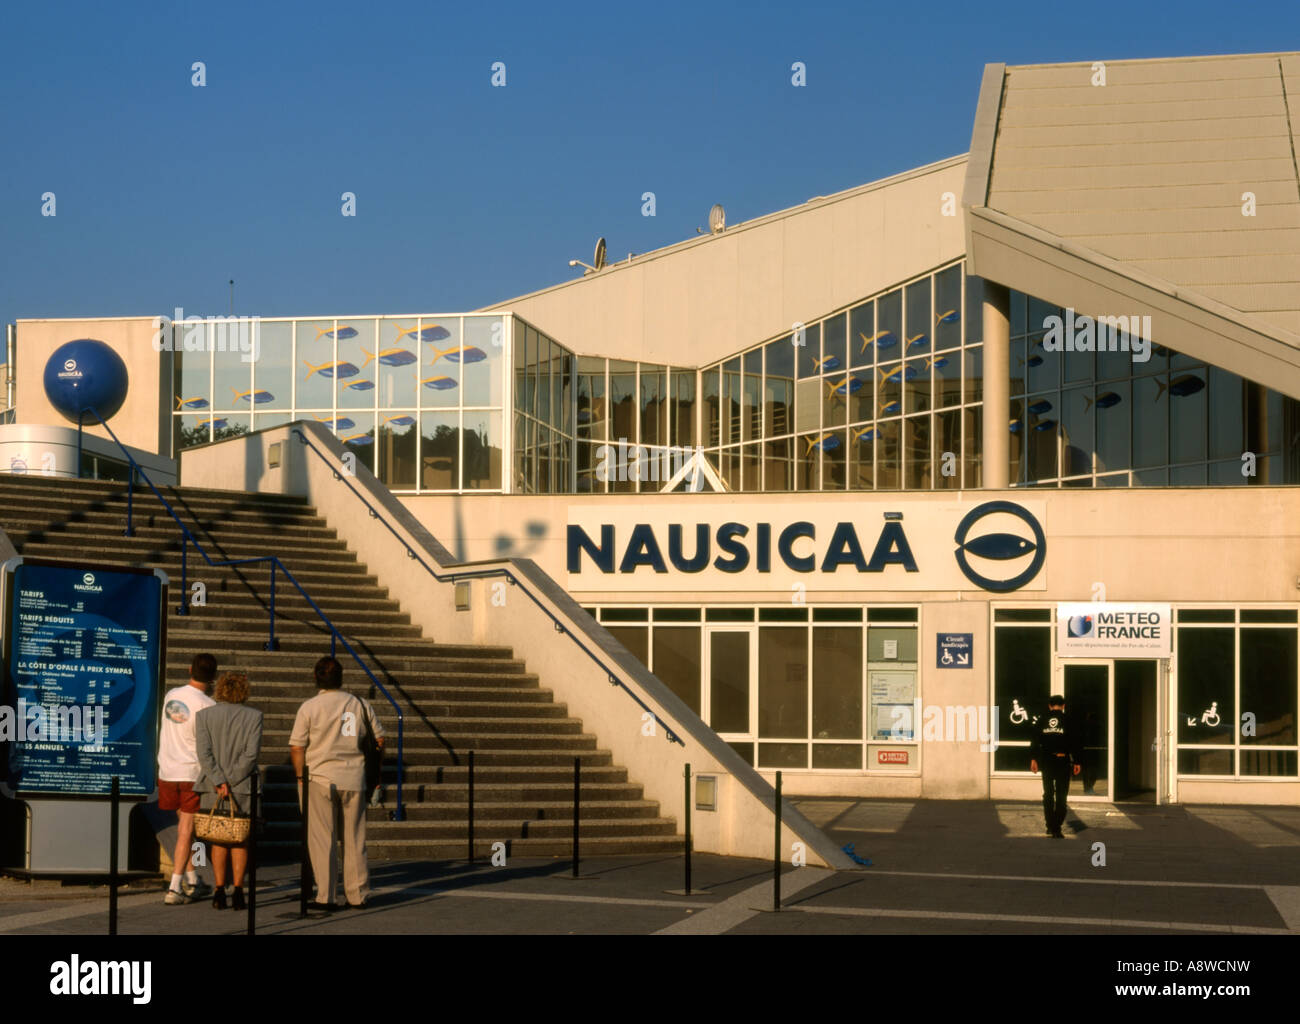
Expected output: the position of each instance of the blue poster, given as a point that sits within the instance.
(83, 654)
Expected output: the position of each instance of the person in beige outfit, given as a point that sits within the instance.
(326, 738)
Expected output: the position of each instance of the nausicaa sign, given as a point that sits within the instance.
(997, 546)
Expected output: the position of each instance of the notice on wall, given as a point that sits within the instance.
(83, 649)
(892, 696)
(1104, 629)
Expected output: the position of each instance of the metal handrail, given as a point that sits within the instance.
(456, 577)
(272, 644)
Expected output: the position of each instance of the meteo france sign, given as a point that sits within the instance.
(725, 545)
(83, 647)
(1108, 630)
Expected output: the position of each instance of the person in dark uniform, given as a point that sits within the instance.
(1056, 747)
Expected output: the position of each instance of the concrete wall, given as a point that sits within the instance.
(743, 824)
(144, 421)
(709, 297)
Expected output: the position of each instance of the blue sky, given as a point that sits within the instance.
(468, 194)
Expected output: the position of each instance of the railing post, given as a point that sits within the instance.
(688, 828)
(400, 813)
(577, 793)
(776, 851)
(273, 644)
(130, 502)
(253, 806)
(114, 798)
(184, 608)
(471, 807)
(305, 876)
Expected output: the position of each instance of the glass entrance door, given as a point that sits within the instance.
(1087, 691)
(730, 696)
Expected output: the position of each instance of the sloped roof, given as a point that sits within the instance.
(1138, 190)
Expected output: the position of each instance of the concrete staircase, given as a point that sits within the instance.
(454, 698)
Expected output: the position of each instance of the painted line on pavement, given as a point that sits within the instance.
(1286, 898)
(722, 917)
(1104, 922)
(1065, 880)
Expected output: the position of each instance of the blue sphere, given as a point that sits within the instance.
(85, 374)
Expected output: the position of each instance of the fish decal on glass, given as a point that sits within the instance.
(1044, 425)
(1016, 426)
(891, 408)
(866, 434)
(825, 443)
(461, 354)
(827, 363)
(391, 357)
(936, 362)
(1182, 387)
(848, 386)
(1106, 401)
(883, 340)
(439, 383)
(338, 423)
(917, 342)
(256, 397)
(431, 333)
(337, 370)
(401, 420)
(358, 439)
(950, 316)
(190, 403)
(898, 374)
(216, 423)
(341, 334)
(360, 385)
(1038, 408)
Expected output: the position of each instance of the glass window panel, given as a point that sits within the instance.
(862, 326)
(1019, 322)
(622, 401)
(677, 661)
(481, 445)
(808, 355)
(1077, 366)
(807, 406)
(808, 463)
(1111, 409)
(880, 639)
(729, 681)
(684, 408)
(1187, 476)
(273, 370)
(836, 394)
(360, 438)
(974, 374)
(751, 467)
(1205, 762)
(440, 451)
(1018, 371)
(889, 327)
(837, 755)
(888, 455)
(266, 420)
(1206, 711)
(1150, 422)
(227, 425)
(1268, 762)
(731, 386)
(635, 638)
(752, 413)
(1186, 397)
(947, 449)
(396, 455)
(833, 460)
(916, 385)
(835, 356)
(778, 465)
(565, 382)
(837, 682)
(947, 308)
(889, 394)
(861, 455)
(975, 310)
(355, 371)
(194, 391)
(1115, 365)
(731, 468)
(919, 466)
(1041, 436)
(1043, 368)
(783, 681)
(783, 755)
(314, 362)
(778, 406)
(945, 368)
(1039, 311)
(973, 447)
(1268, 684)
(779, 358)
(653, 396)
(396, 366)
(543, 385)
(918, 326)
(232, 376)
(1022, 672)
(1076, 429)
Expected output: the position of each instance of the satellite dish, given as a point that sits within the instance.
(598, 262)
(717, 219)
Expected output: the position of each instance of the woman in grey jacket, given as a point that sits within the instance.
(228, 740)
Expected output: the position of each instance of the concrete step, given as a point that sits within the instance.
(456, 814)
(418, 849)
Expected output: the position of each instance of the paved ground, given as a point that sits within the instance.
(938, 867)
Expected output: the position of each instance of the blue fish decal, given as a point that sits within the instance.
(1038, 408)
(400, 421)
(903, 373)
(431, 333)
(257, 397)
(1187, 384)
(1015, 426)
(917, 342)
(360, 385)
(214, 423)
(848, 386)
(358, 439)
(866, 434)
(999, 546)
(828, 363)
(462, 354)
(342, 334)
(337, 370)
(1106, 401)
(825, 443)
(891, 409)
(439, 383)
(1044, 425)
(184, 403)
(936, 362)
(1035, 360)
(950, 316)
(883, 340)
(340, 423)
(391, 357)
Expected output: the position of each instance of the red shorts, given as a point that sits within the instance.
(177, 796)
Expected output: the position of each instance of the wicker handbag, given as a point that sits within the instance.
(228, 829)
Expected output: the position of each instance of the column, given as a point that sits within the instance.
(997, 385)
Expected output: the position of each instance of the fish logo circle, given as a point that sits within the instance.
(1080, 625)
(88, 579)
(1000, 547)
(69, 365)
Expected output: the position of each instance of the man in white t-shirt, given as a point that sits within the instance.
(178, 770)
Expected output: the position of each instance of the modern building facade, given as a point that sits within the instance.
(863, 481)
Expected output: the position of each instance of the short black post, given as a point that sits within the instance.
(471, 807)
(776, 851)
(253, 802)
(577, 795)
(112, 856)
(688, 829)
(130, 489)
(305, 881)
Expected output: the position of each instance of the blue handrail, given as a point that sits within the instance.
(487, 573)
(272, 644)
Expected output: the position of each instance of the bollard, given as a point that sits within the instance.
(112, 856)
(577, 772)
(305, 881)
(688, 829)
(471, 807)
(776, 851)
(253, 803)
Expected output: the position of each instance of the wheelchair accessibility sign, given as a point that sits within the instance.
(954, 650)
